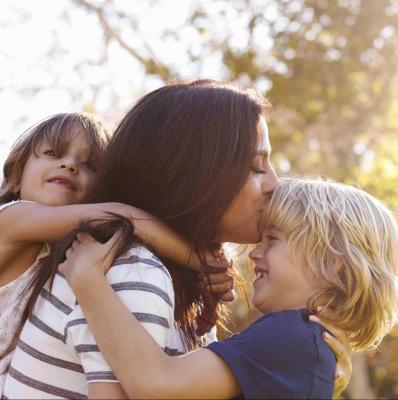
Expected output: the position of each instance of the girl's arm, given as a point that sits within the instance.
(139, 363)
(27, 223)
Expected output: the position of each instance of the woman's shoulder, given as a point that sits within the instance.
(140, 263)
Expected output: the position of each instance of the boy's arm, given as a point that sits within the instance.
(143, 369)
(144, 290)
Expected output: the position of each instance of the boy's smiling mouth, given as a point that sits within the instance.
(260, 273)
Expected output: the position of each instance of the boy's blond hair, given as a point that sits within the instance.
(347, 241)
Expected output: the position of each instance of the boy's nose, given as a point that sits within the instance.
(255, 253)
(259, 251)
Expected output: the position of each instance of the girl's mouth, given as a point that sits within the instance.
(61, 180)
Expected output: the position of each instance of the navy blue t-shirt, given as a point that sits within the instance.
(281, 356)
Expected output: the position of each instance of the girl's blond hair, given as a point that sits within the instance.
(347, 241)
(58, 130)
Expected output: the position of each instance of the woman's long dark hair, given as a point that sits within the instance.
(183, 153)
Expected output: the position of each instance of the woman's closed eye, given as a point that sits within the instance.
(258, 167)
(258, 170)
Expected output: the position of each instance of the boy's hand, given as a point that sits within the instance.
(217, 278)
(86, 257)
(339, 343)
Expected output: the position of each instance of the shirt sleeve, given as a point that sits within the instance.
(145, 287)
(11, 203)
(274, 358)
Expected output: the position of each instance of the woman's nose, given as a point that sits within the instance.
(270, 181)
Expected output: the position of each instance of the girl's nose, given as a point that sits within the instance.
(69, 163)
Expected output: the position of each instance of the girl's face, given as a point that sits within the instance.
(58, 179)
(280, 284)
(240, 223)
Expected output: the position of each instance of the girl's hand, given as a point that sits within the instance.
(86, 257)
(218, 278)
(340, 345)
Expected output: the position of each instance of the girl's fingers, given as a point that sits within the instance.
(228, 296)
(218, 287)
(75, 244)
(215, 278)
(68, 253)
(62, 267)
(221, 263)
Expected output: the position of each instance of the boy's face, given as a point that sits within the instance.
(280, 284)
(58, 179)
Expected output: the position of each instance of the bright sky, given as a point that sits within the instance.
(41, 48)
(51, 53)
(52, 50)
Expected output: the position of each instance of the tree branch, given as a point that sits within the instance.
(151, 66)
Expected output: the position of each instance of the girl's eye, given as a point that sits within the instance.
(50, 152)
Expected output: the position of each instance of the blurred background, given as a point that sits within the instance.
(328, 67)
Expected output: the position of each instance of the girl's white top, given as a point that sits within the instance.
(13, 298)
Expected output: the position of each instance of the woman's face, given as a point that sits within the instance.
(240, 223)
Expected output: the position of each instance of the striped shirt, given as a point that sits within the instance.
(57, 354)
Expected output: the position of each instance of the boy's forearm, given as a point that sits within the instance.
(120, 336)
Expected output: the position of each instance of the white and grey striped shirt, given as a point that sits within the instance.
(57, 355)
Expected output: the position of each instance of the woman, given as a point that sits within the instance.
(194, 154)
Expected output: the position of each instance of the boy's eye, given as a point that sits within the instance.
(271, 237)
(50, 152)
